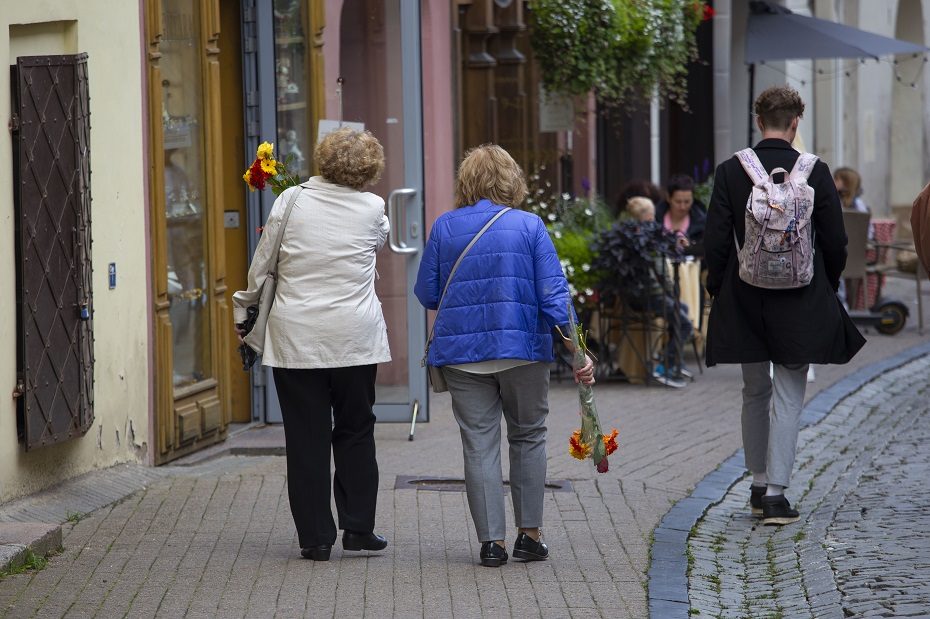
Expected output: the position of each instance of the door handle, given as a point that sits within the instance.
(396, 199)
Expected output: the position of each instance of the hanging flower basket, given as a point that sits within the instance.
(622, 50)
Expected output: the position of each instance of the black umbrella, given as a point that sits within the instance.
(775, 33)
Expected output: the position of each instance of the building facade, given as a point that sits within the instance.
(867, 114)
(122, 260)
(74, 365)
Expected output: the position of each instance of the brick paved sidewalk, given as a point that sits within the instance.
(216, 539)
(862, 546)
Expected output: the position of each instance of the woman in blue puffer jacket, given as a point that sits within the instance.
(493, 341)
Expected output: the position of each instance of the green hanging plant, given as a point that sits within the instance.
(622, 50)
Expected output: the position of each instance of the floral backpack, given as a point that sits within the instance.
(778, 252)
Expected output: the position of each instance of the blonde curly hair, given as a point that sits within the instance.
(489, 172)
(351, 158)
(641, 208)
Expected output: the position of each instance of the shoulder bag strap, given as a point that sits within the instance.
(273, 271)
(455, 267)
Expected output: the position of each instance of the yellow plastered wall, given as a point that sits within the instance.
(109, 32)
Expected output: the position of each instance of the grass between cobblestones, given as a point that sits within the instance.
(31, 563)
(739, 568)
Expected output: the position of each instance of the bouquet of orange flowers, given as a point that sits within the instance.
(266, 170)
(589, 441)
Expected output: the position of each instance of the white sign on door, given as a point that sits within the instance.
(328, 126)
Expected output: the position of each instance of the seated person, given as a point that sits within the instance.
(639, 187)
(849, 187)
(682, 214)
(659, 300)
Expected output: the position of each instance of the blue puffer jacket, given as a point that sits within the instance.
(507, 294)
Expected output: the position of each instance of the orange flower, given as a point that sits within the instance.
(610, 442)
(577, 448)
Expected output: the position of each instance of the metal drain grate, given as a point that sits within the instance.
(455, 484)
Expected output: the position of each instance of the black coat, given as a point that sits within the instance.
(749, 324)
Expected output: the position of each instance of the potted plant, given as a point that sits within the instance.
(626, 256)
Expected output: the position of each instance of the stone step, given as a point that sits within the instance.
(17, 539)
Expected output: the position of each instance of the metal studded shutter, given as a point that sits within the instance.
(51, 155)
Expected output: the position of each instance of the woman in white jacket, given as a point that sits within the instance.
(324, 338)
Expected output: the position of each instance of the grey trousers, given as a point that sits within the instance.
(770, 433)
(478, 400)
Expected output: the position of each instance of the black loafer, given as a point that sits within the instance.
(776, 510)
(528, 549)
(363, 541)
(755, 499)
(492, 555)
(316, 553)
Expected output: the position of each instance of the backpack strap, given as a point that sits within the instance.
(753, 167)
(803, 166)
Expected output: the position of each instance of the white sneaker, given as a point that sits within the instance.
(668, 381)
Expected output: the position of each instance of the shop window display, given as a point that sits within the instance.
(182, 111)
(295, 138)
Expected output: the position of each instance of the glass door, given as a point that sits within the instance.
(376, 67)
(379, 67)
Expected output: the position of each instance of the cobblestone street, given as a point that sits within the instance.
(216, 539)
(861, 547)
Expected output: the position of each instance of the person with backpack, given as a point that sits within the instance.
(775, 249)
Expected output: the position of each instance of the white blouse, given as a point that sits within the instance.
(326, 313)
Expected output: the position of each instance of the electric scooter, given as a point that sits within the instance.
(888, 316)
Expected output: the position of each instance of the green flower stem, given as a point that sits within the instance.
(590, 424)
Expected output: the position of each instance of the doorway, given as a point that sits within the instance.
(235, 216)
(379, 67)
(372, 60)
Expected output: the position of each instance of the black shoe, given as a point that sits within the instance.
(316, 553)
(777, 510)
(755, 499)
(528, 549)
(363, 541)
(493, 555)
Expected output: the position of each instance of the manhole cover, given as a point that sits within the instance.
(455, 484)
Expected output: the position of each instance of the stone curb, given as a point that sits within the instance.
(33, 523)
(668, 570)
(17, 539)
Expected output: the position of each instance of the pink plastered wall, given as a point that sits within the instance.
(438, 122)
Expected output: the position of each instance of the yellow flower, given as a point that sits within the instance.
(247, 177)
(577, 448)
(265, 151)
(269, 166)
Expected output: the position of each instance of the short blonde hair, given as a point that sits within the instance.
(351, 158)
(639, 207)
(489, 172)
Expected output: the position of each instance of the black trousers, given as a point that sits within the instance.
(329, 410)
